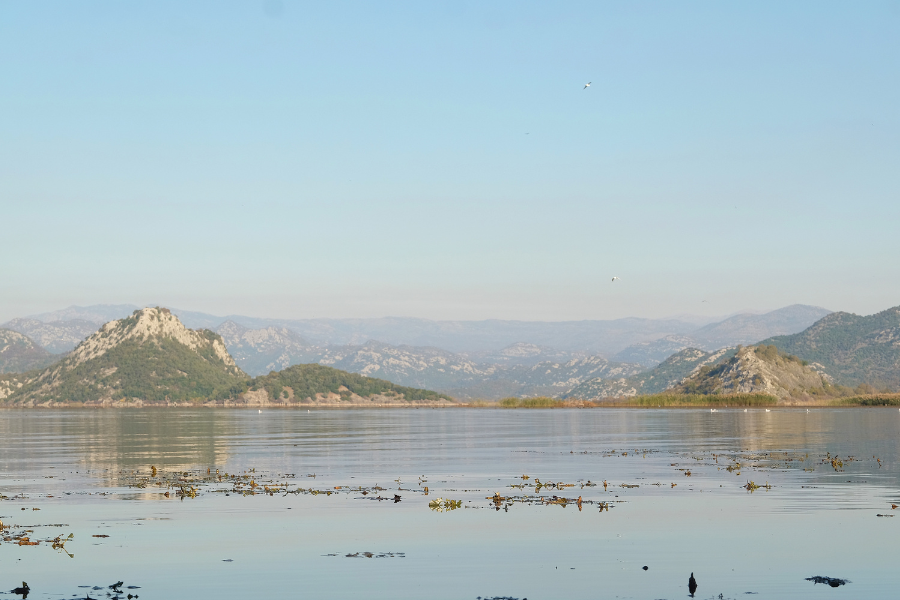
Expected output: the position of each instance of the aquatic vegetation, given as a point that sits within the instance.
(441, 505)
(752, 487)
(539, 402)
(22, 536)
(698, 400)
(832, 581)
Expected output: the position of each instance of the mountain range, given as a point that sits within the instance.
(151, 358)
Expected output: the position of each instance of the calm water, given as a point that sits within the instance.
(80, 468)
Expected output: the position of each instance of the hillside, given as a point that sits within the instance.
(853, 349)
(19, 354)
(758, 370)
(150, 357)
(305, 384)
(667, 374)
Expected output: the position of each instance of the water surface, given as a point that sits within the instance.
(810, 516)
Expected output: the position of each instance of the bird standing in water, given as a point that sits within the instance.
(692, 585)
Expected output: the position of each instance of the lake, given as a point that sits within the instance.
(333, 503)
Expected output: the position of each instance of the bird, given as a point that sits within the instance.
(614, 278)
(767, 410)
(23, 591)
(587, 85)
(692, 585)
(260, 411)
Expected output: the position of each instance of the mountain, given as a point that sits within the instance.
(667, 374)
(759, 369)
(259, 351)
(149, 356)
(741, 329)
(57, 337)
(19, 354)
(853, 349)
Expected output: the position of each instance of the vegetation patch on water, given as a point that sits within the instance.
(538, 402)
(650, 401)
(871, 400)
(699, 400)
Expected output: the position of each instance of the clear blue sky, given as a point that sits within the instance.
(370, 159)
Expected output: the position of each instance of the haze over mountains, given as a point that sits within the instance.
(498, 358)
(607, 338)
(839, 351)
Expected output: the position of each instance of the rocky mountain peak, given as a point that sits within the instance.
(143, 326)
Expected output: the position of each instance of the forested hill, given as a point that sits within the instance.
(309, 383)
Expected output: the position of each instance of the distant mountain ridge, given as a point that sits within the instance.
(741, 329)
(56, 337)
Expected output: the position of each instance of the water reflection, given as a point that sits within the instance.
(583, 496)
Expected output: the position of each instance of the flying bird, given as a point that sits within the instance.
(614, 278)
(587, 85)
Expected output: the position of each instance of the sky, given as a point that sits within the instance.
(443, 159)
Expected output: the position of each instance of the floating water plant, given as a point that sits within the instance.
(441, 505)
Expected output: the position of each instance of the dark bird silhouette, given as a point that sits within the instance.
(692, 585)
(23, 591)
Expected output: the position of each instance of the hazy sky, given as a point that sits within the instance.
(442, 160)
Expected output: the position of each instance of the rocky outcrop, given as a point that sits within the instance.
(758, 370)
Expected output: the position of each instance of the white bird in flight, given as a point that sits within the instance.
(587, 85)
(614, 278)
